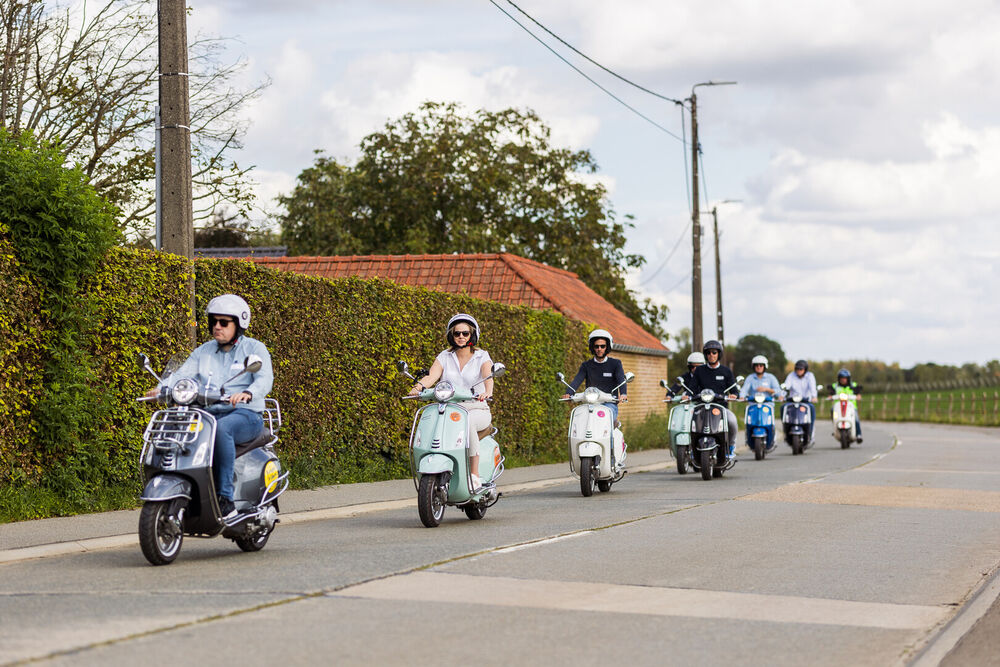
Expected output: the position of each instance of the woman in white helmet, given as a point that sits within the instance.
(762, 381)
(215, 362)
(602, 371)
(465, 366)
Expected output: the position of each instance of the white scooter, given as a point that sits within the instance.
(596, 444)
(844, 418)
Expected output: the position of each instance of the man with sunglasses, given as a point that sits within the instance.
(720, 379)
(602, 371)
(216, 361)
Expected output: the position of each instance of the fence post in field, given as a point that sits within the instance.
(896, 411)
(913, 399)
(927, 407)
(951, 404)
(985, 417)
(972, 412)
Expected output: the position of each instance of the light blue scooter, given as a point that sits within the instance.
(439, 457)
(759, 420)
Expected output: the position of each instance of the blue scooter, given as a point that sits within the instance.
(759, 419)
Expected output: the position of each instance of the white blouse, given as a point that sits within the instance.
(468, 378)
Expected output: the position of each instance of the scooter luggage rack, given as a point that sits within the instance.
(272, 415)
(179, 428)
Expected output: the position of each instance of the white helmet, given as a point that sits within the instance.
(231, 305)
(759, 359)
(462, 317)
(696, 358)
(600, 333)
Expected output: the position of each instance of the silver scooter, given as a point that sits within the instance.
(179, 497)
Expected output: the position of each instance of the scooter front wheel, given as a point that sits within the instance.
(796, 443)
(587, 476)
(707, 462)
(758, 449)
(429, 503)
(160, 535)
(682, 464)
(845, 438)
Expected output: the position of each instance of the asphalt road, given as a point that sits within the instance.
(856, 556)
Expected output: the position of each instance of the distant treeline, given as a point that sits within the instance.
(878, 376)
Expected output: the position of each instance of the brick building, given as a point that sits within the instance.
(513, 280)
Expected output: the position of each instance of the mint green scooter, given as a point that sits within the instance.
(439, 459)
(679, 426)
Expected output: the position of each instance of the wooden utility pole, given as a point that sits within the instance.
(696, 335)
(175, 132)
(718, 278)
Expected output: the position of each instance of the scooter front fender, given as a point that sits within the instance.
(589, 449)
(167, 487)
(433, 464)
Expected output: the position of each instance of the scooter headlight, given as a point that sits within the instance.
(759, 397)
(184, 392)
(592, 395)
(443, 391)
(796, 398)
(707, 395)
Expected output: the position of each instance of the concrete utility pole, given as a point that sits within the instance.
(696, 334)
(176, 208)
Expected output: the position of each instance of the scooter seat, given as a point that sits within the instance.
(486, 432)
(260, 441)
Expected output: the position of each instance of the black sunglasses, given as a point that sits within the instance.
(461, 333)
(598, 346)
(224, 321)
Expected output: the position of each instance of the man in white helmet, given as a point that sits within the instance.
(216, 361)
(694, 360)
(602, 371)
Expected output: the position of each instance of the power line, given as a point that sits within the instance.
(669, 255)
(581, 73)
(584, 55)
(680, 282)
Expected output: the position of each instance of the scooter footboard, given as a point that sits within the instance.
(167, 487)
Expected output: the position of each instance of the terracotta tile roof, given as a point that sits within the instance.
(499, 277)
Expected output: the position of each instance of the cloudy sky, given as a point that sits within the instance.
(862, 141)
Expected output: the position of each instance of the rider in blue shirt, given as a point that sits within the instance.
(213, 363)
(761, 381)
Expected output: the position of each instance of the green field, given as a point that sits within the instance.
(975, 407)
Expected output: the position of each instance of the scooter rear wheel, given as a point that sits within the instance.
(429, 504)
(159, 536)
(604, 485)
(475, 511)
(253, 542)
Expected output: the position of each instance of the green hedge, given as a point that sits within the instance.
(334, 345)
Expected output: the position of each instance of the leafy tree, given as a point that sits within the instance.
(439, 181)
(88, 81)
(753, 344)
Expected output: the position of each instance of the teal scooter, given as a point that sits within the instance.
(439, 457)
(679, 426)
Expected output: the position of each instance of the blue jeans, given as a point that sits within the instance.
(614, 412)
(240, 425)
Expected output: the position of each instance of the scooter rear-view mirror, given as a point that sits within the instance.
(663, 383)
(629, 376)
(402, 366)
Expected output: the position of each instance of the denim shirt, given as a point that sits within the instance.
(209, 363)
(752, 382)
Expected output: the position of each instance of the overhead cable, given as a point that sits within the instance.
(581, 73)
(584, 55)
(669, 255)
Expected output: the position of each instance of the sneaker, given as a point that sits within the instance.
(227, 508)
(860, 439)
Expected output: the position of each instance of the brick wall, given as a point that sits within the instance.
(645, 395)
